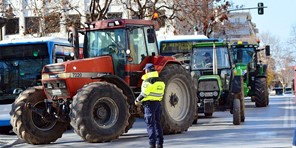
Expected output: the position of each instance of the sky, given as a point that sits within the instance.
(278, 17)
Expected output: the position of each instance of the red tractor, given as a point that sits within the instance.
(96, 93)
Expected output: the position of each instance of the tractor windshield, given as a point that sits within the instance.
(203, 58)
(243, 55)
(105, 42)
(20, 68)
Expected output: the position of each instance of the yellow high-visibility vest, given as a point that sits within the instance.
(152, 92)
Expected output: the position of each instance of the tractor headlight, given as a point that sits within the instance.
(202, 94)
(215, 93)
(62, 85)
(48, 85)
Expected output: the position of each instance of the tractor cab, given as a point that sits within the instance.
(211, 58)
(129, 43)
(247, 55)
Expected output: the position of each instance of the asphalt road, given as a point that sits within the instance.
(267, 127)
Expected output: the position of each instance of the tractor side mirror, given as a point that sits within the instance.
(267, 50)
(150, 35)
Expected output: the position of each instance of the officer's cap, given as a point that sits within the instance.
(149, 67)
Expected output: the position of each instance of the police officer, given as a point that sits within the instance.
(152, 91)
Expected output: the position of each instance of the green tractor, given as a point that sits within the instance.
(218, 89)
(248, 64)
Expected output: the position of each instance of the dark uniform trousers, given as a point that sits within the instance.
(152, 113)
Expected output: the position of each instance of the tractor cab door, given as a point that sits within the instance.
(142, 46)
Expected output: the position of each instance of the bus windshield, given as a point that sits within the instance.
(105, 42)
(203, 58)
(20, 67)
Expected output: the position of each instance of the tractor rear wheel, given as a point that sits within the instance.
(236, 111)
(29, 125)
(179, 101)
(99, 112)
(261, 92)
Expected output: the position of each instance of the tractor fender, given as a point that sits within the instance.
(120, 83)
(262, 70)
(160, 63)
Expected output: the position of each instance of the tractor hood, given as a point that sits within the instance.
(62, 80)
(79, 68)
(209, 86)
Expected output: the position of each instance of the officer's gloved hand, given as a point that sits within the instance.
(138, 102)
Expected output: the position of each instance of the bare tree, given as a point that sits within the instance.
(281, 61)
(7, 13)
(47, 15)
(143, 9)
(99, 9)
(204, 16)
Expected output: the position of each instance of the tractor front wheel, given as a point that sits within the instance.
(236, 111)
(99, 112)
(261, 92)
(30, 126)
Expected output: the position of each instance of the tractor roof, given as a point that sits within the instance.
(243, 44)
(209, 44)
(119, 23)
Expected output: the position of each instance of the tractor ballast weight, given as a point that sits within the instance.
(96, 93)
(217, 87)
(248, 64)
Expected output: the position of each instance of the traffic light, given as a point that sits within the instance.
(260, 8)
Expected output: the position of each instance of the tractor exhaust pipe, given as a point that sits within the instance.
(74, 40)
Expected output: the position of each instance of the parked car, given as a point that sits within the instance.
(278, 90)
(288, 90)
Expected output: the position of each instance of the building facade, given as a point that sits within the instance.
(241, 27)
(51, 17)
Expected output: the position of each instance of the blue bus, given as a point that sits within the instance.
(21, 63)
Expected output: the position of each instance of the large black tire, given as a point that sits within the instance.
(99, 112)
(29, 125)
(261, 92)
(236, 111)
(179, 102)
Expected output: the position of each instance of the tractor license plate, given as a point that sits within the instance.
(56, 92)
(208, 100)
(208, 94)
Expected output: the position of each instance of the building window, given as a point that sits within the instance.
(12, 26)
(52, 22)
(32, 25)
(73, 20)
(114, 15)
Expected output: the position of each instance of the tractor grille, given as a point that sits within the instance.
(54, 68)
(209, 85)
